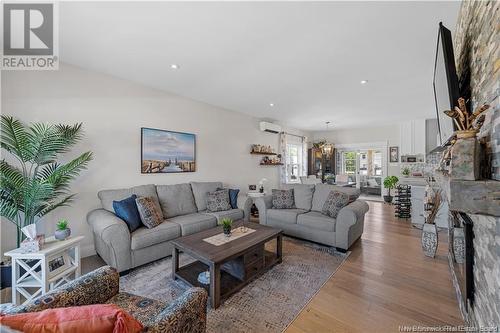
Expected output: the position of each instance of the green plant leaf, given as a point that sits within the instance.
(14, 138)
(44, 210)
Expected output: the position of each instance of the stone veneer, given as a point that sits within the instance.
(477, 55)
(485, 312)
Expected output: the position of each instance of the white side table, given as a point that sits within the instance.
(47, 269)
(254, 195)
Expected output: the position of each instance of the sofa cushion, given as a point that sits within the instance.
(176, 200)
(233, 197)
(126, 209)
(144, 237)
(218, 201)
(334, 203)
(284, 215)
(108, 196)
(150, 211)
(316, 220)
(193, 223)
(283, 199)
(95, 318)
(141, 308)
(302, 194)
(200, 191)
(233, 214)
(322, 191)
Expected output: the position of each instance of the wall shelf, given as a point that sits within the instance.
(271, 164)
(260, 153)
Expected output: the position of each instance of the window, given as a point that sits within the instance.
(294, 159)
(377, 163)
(349, 162)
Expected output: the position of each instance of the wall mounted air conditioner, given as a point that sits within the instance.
(269, 127)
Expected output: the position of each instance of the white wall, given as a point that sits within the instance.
(355, 136)
(113, 111)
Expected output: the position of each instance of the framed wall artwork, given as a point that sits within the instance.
(393, 154)
(165, 151)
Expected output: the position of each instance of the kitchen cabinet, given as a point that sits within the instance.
(412, 137)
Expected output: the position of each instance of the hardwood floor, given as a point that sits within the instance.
(385, 282)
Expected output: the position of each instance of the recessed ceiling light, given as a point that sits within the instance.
(364, 81)
(174, 66)
(271, 104)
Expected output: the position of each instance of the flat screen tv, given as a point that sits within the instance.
(445, 83)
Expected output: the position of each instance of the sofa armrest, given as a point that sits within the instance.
(187, 313)
(263, 204)
(112, 238)
(96, 287)
(245, 204)
(349, 224)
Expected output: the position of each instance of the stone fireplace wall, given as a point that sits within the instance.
(477, 57)
(477, 54)
(485, 311)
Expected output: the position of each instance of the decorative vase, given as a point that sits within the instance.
(388, 198)
(465, 154)
(459, 245)
(227, 230)
(62, 234)
(429, 239)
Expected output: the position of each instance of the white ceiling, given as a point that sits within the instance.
(307, 58)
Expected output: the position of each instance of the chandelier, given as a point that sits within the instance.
(327, 148)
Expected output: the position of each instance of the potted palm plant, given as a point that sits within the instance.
(390, 182)
(36, 183)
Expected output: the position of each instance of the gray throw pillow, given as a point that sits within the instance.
(150, 211)
(283, 199)
(334, 203)
(218, 201)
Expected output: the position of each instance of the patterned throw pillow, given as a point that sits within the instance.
(283, 199)
(334, 203)
(150, 211)
(218, 201)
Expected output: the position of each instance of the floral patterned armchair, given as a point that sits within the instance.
(187, 313)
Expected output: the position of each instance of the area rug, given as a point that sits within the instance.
(268, 304)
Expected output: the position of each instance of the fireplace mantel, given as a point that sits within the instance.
(471, 197)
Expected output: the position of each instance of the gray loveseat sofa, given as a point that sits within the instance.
(306, 220)
(184, 208)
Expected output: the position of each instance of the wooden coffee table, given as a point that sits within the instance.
(232, 265)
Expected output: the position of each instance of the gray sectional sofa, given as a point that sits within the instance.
(306, 220)
(184, 210)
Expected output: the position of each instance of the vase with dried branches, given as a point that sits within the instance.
(429, 231)
(468, 125)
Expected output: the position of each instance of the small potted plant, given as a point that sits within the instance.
(405, 172)
(390, 182)
(226, 224)
(62, 231)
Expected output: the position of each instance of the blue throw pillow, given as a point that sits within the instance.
(233, 197)
(126, 209)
